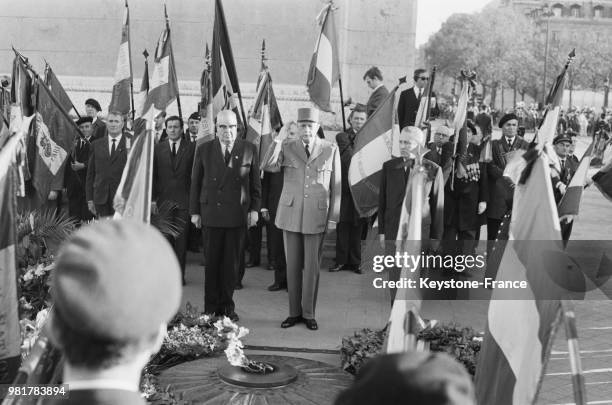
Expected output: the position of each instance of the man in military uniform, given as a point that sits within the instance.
(309, 201)
(116, 285)
(562, 178)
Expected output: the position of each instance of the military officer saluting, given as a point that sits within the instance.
(309, 200)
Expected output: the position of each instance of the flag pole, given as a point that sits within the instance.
(178, 96)
(131, 71)
(342, 103)
(571, 333)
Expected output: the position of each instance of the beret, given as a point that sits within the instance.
(423, 378)
(506, 118)
(360, 108)
(195, 116)
(83, 120)
(94, 103)
(116, 280)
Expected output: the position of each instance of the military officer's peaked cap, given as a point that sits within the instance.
(562, 138)
(308, 114)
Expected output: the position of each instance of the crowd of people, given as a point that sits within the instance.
(224, 192)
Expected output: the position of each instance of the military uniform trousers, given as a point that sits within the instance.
(302, 253)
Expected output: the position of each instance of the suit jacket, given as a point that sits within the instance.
(391, 196)
(346, 142)
(311, 185)
(223, 195)
(271, 189)
(461, 203)
(500, 188)
(103, 171)
(376, 99)
(98, 397)
(172, 176)
(98, 130)
(408, 107)
(75, 180)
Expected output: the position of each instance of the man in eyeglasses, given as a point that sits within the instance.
(410, 99)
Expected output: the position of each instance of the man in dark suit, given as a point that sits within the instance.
(436, 151)
(76, 173)
(501, 189)
(116, 285)
(225, 198)
(373, 78)
(172, 167)
(410, 100)
(562, 178)
(107, 159)
(92, 109)
(350, 226)
(393, 182)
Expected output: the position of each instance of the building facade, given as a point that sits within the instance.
(80, 40)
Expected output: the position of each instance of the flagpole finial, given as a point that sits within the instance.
(145, 53)
(263, 54)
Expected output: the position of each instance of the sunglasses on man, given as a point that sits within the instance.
(424, 78)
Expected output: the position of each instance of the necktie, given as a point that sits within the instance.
(173, 148)
(420, 93)
(113, 147)
(439, 149)
(227, 155)
(307, 150)
(193, 138)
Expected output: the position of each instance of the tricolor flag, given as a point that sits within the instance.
(265, 117)
(603, 181)
(122, 89)
(56, 88)
(140, 122)
(375, 143)
(163, 87)
(224, 79)
(10, 335)
(570, 202)
(518, 332)
(21, 86)
(324, 69)
(133, 197)
(405, 322)
(207, 127)
(53, 136)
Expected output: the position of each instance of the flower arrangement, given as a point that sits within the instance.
(30, 331)
(192, 335)
(461, 343)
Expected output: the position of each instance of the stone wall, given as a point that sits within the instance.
(80, 40)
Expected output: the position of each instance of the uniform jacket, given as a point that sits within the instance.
(500, 188)
(391, 196)
(172, 176)
(223, 195)
(311, 186)
(346, 142)
(75, 180)
(272, 187)
(461, 203)
(103, 171)
(564, 176)
(376, 99)
(408, 107)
